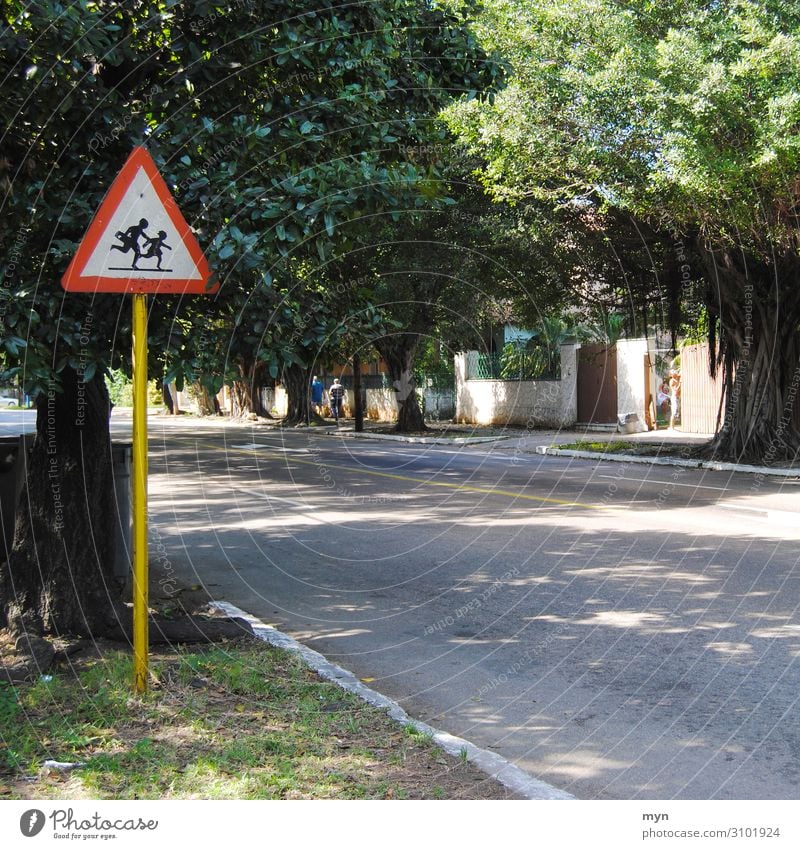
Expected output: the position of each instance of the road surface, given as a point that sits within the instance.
(618, 630)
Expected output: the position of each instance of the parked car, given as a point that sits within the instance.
(8, 400)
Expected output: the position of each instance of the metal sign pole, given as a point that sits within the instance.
(139, 494)
(109, 259)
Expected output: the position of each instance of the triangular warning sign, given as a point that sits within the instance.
(138, 240)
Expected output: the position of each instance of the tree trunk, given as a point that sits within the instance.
(398, 352)
(206, 405)
(246, 397)
(242, 403)
(358, 411)
(166, 394)
(174, 407)
(297, 382)
(241, 400)
(60, 576)
(759, 313)
(258, 380)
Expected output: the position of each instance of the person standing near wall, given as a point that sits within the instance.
(674, 397)
(336, 394)
(316, 394)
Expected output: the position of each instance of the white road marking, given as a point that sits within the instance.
(251, 446)
(656, 481)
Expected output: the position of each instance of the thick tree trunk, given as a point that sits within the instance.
(242, 390)
(60, 577)
(398, 351)
(246, 392)
(297, 382)
(759, 313)
(241, 399)
(258, 380)
(206, 404)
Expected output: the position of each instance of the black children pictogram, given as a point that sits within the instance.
(130, 240)
(154, 246)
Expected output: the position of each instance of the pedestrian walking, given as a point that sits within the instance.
(316, 394)
(336, 394)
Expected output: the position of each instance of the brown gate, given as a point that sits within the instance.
(597, 384)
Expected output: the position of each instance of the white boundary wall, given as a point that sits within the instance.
(529, 403)
(631, 386)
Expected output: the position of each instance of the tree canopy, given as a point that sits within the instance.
(685, 117)
(275, 124)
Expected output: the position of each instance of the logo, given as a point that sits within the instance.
(31, 822)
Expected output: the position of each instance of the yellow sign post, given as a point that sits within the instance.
(123, 251)
(139, 495)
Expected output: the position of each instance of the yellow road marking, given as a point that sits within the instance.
(542, 499)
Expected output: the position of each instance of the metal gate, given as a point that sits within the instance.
(597, 384)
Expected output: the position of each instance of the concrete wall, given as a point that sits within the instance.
(631, 386)
(527, 403)
(381, 405)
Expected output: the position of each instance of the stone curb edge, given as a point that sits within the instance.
(495, 766)
(668, 461)
(417, 440)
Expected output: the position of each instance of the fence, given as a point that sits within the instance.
(700, 393)
(515, 364)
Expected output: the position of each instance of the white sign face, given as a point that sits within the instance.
(138, 241)
(141, 240)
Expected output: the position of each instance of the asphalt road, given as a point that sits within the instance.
(618, 630)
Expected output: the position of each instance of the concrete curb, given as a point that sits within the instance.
(417, 440)
(668, 461)
(495, 766)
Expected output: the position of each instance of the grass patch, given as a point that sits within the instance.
(240, 721)
(606, 447)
